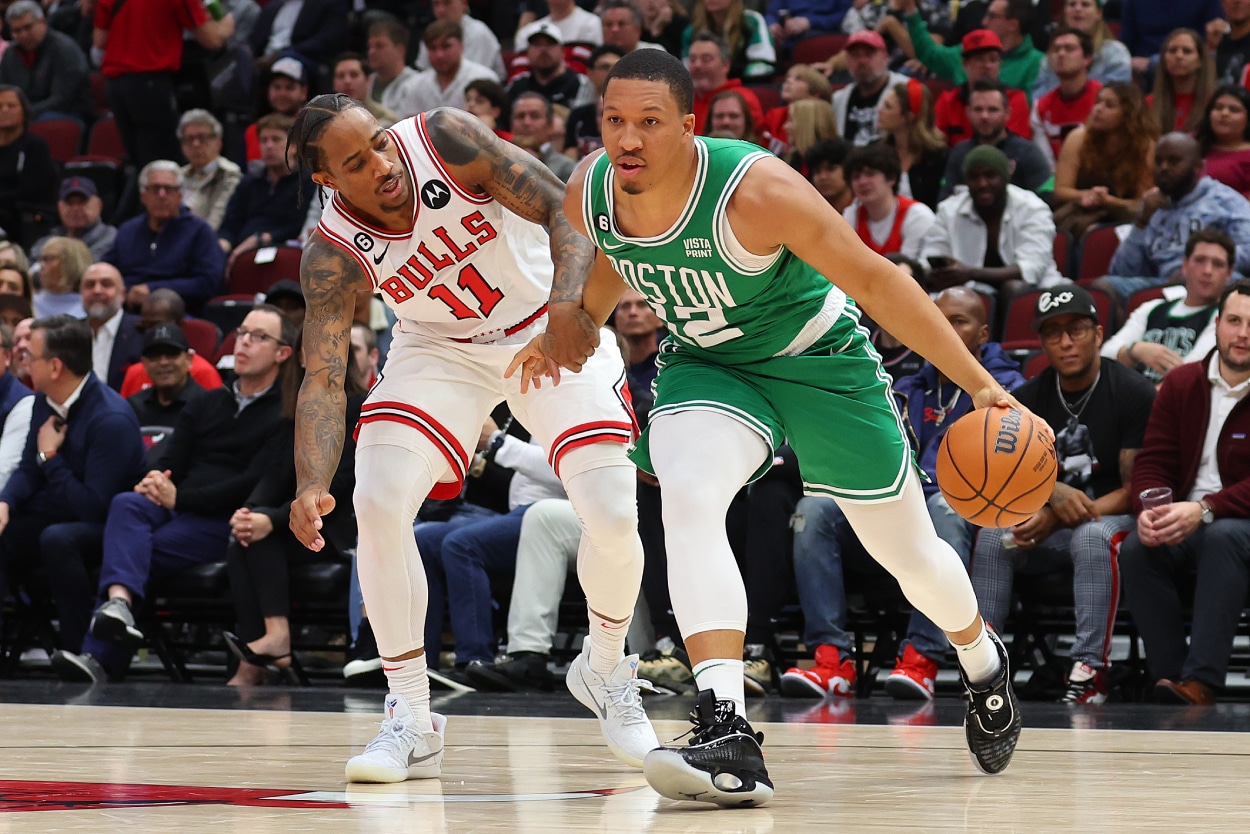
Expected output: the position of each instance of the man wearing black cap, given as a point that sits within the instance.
(288, 296)
(1098, 409)
(79, 207)
(167, 362)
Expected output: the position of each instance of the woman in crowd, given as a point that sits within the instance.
(905, 118)
(801, 82)
(744, 30)
(729, 117)
(14, 280)
(1184, 82)
(209, 179)
(1106, 164)
(810, 121)
(1112, 60)
(28, 178)
(262, 546)
(11, 254)
(1224, 134)
(664, 22)
(62, 262)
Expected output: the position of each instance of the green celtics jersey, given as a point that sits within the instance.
(715, 297)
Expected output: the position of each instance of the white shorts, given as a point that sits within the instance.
(435, 393)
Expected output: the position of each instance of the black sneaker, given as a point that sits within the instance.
(77, 668)
(992, 724)
(723, 763)
(520, 672)
(114, 622)
(364, 661)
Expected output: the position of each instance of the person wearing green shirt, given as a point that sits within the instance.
(1008, 19)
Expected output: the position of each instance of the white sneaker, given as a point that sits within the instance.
(400, 750)
(617, 703)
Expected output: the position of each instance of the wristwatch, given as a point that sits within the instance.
(1207, 514)
(43, 458)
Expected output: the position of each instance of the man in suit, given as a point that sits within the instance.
(115, 341)
(313, 28)
(83, 448)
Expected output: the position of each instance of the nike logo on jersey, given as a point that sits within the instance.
(377, 259)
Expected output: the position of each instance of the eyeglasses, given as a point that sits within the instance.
(198, 138)
(163, 189)
(241, 334)
(1076, 331)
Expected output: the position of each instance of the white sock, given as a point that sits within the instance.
(979, 659)
(607, 643)
(724, 677)
(408, 678)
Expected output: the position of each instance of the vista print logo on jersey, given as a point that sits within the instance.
(435, 194)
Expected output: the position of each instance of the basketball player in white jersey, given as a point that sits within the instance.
(458, 232)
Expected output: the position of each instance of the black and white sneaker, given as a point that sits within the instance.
(723, 763)
(114, 622)
(992, 724)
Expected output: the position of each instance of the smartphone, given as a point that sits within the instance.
(938, 261)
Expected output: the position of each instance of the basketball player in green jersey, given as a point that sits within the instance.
(751, 270)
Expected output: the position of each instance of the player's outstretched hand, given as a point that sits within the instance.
(306, 512)
(992, 395)
(572, 335)
(534, 363)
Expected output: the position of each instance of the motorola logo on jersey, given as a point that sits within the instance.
(363, 242)
(435, 194)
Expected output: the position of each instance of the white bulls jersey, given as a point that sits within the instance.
(468, 269)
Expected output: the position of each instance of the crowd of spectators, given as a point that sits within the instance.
(961, 140)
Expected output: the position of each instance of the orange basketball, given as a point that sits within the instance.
(996, 466)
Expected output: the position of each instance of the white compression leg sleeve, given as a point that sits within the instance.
(391, 483)
(899, 534)
(609, 559)
(702, 459)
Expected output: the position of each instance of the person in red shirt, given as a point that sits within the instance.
(1066, 107)
(982, 59)
(708, 62)
(1184, 82)
(141, 45)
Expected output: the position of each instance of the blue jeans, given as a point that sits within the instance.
(471, 554)
(430, 536)
(821, 531)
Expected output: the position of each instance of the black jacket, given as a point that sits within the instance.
(215, 457)
(320, 31)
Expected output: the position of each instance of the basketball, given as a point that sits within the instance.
(997, 466)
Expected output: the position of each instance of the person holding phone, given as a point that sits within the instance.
(995, 238)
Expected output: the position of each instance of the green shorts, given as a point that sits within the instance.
(832, 404)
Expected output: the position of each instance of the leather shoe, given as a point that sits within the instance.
(1188, 691)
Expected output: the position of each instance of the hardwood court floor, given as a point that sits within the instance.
(157, 769)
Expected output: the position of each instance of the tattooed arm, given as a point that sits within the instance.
(330, 278)
(482, 161)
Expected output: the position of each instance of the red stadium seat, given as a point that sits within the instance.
(62, 135)
(1097, 249)
(202, 336)
(106, 140)
(248, 278)
(818, 48)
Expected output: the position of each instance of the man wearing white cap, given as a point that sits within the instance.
(548, 75)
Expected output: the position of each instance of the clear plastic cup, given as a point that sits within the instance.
(1152, 499)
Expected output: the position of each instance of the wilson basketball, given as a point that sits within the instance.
(996, 466)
